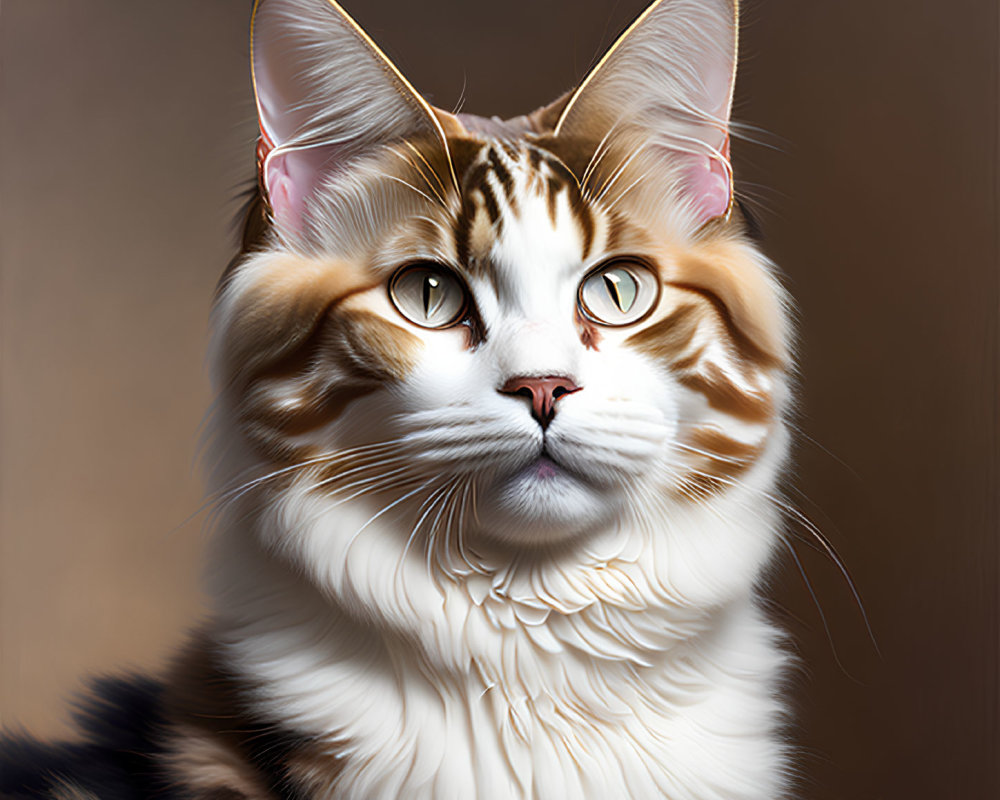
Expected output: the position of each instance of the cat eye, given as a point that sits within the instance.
(619, 292)
(428, 295)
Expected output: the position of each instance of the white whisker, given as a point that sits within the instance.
(810, 527)
(384, 510)
(610, 182)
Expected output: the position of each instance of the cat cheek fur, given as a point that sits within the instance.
(300, 340)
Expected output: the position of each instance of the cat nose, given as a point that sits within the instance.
(543, 393)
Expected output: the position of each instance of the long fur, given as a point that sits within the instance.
(421, 588)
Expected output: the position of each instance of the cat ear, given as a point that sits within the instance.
(325, 93)
(668, 82)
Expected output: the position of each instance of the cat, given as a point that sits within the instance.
(499, 422)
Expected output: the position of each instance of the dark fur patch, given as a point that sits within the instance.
(118, 759)
(129, 728)
(206, 698)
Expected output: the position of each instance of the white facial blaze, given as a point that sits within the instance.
(538, 263)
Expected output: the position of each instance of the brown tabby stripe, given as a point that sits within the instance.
(477, 180)
(492, 206)
(535, 158)
(273, 317)
(552, 197)
(489, 185)
(477, 194)
(718, 465)
(273, 430)
(723, 395)
(351, 353)
(299, 350)
(563, 179)
(748, 348)
(375, 349)
(463, 234)
(723, 271)
(616, 233)
(502, 173)
(697, 486)
(669, 340)
(728, 455)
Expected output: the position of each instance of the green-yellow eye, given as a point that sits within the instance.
(428, 295)
(619, 292)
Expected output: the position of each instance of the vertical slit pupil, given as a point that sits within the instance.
(432, 289)
(621, 292)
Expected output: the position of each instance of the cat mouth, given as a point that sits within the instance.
(543, 501)
(545, 467)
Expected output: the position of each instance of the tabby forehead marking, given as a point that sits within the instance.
(493, 186)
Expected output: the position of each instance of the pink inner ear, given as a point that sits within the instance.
(291, 178)
(286, 204)
(706, 185)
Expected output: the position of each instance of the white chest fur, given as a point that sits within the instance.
(606, 679)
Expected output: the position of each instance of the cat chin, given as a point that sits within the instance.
(542, 505)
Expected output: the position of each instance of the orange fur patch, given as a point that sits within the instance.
(725, 270)
(721, 333)
(378, 348)
(669, 338)
(299, 348)
(281, 309)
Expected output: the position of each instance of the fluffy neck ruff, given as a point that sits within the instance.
(637, 662)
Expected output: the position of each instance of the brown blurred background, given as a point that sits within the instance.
(127, 135)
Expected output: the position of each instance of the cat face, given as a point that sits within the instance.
(522, 332)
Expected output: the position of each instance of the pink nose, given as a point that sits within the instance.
(543, 393)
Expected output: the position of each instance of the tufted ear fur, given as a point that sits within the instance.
(325, 93)
(667, 83)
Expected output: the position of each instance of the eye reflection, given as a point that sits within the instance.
(619, 292)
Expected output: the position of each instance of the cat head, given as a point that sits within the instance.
(506, 336)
